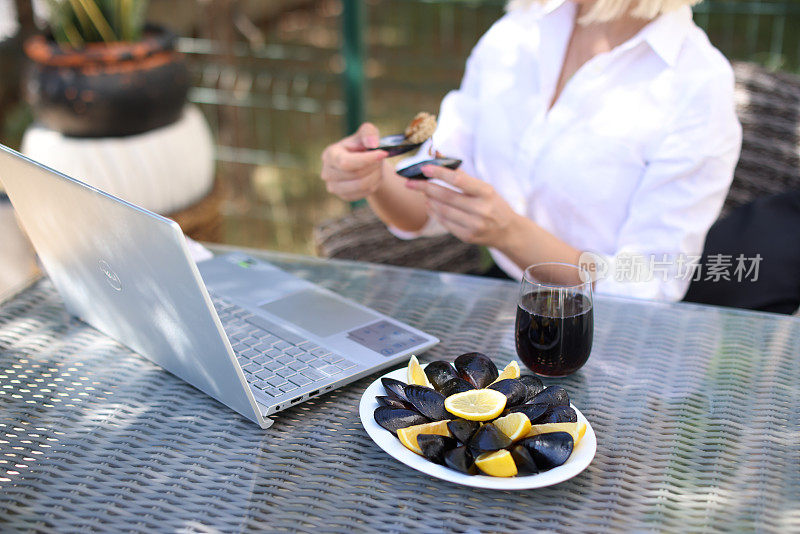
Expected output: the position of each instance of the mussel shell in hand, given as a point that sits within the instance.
(394, 388)
(488, 438)
(439, 373)
(461, 460)
(523, 460)
(427, 401)
(393, 419)
(477, 369)
(456, 385)
(391, 401)
(553, 396)
(534, 385)
(549, 450)
(414, 172)
(434, 446)
(514, 390)
(463, 429)
(396, 144)
(560, 414)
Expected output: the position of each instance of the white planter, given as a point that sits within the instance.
(164, 170)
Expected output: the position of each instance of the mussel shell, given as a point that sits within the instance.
(434, 446)
(477, 369)
(427, 401)
(560, 414)
(488, 438)
(523, 460)
(456, 385)
(463, 429)
(395, 144)
(414, 172)
(534, 385)
(553, 396)
(394, 388)
(461, 460)
(549, 450)
(391, 401)
(439, 373)
(514, 390)
(393, 419)
(535, 412)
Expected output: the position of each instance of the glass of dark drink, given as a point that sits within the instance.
(555, 324)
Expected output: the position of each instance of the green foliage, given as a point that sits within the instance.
(77, 22)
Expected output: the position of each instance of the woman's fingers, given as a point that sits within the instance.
(451, 213)
(445, 195)
(457, 223)
(458, 178)
(366, 137)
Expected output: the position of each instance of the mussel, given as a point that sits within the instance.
(535, 412)
(463, 429)
(553, 396)
(549, 450)
(477, 369)
(534, 385)
(514, 390)
(560, 414)
(393, 419)
(418, 130)
(488, 438)
(523, 460)
(394, 388)
(456, 385)
(414, 172)
(439, 373)
(391, 401)
(434, 446)
(396, 144)
(461, 460)
(427, 401)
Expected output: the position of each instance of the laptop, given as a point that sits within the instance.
(248, 334)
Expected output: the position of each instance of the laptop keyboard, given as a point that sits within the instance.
(275, 360)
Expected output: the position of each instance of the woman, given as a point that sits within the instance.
(586, 125)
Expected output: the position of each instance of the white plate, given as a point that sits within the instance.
(579, 460)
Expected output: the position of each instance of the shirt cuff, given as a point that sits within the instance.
(431, 228)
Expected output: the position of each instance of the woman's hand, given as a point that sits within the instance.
(350, 170)
(477, 215)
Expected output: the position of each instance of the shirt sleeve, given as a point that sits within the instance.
(681, 193)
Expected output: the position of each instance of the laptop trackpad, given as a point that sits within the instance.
(318, 312)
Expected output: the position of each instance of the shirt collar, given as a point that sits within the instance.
(665, 34)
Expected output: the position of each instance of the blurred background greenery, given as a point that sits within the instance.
(269, 78)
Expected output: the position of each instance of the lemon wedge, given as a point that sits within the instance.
(577, 430)
(408, 435)
(509, 371)
(416, 375)
(497, 463)
(514, 425)
(476, 404)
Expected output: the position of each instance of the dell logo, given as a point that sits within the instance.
(111, 276)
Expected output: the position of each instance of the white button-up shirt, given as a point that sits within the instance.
(635, 157)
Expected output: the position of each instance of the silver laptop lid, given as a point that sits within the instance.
(127, 272)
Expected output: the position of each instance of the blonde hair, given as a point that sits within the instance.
(606, 10)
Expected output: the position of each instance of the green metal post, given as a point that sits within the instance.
(353, 52)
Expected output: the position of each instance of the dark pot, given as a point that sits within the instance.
(106, 90)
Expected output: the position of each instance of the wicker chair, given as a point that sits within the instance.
(768, 105)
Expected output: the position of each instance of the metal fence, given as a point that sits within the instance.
(274, 105)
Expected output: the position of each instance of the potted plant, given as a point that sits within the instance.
(101, 71)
